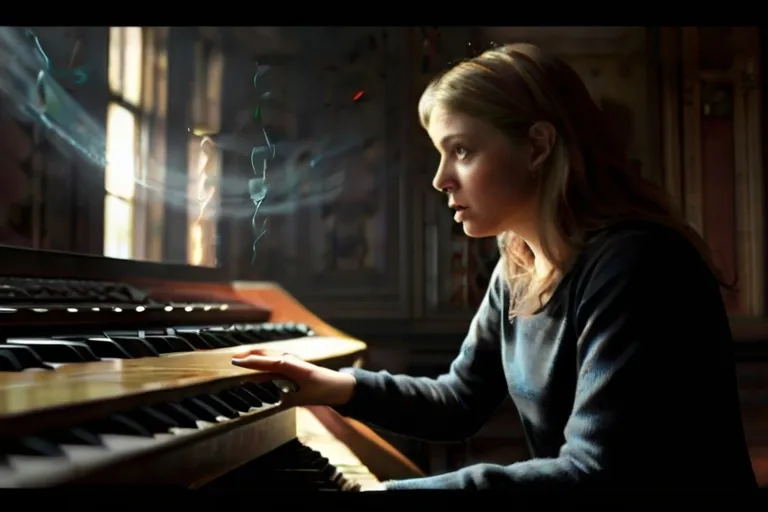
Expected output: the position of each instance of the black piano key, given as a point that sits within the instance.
(119, 424)
(20, 357)
(241, 337)
(214, 340)
(218, 405)
(273, 389)
(225, 338)
(249, 337)
(9, 363)
(59, 351)
(104, 348)
(197, 341)
(233, 400)
(284, 331)
(179, 344)
(180, 414)
(211, 340)
(200, 409)
(258, 335)
(262, 393)
(153, 420)
(77, 436)
(30, 446)
(160, 344)
(292, 466)
(248, 397)
(135, 346)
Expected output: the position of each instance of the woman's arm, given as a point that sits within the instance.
(653, 373)
(455, 405)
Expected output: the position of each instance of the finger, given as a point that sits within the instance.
(257, 352)
(254, 362)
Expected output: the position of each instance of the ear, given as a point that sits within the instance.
(542, 136)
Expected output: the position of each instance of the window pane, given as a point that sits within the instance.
(121, 151)
(116, 59)
(118, 227)
(132, 66)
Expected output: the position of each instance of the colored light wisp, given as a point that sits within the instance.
(257, 187)
(205, 195)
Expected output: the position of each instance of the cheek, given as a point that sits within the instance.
(507, 179)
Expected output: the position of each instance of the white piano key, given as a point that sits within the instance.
(122, 444)
(35, 471)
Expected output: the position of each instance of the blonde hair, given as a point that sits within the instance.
(586, 184)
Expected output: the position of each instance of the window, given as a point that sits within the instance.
(134, 176)
(204, 158)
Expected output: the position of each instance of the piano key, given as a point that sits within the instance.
(222, 337)
(135, 346)
(260, 393)
(197, 341)
(271, 389)
(58, 351)
(179, 344)
(201, 410)
(43, 466)
(119, 424)
(233, 400)
(180, 414)
(218, 405)
(9, 363)
(103, 347)
(160, 344)
(21, 358)
(241, 337)
(152, 419)
(30, 446)
(312, 433)
(248, 397)
(214, 340)
(74, 436)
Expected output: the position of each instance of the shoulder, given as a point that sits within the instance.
(637, 246)
(648, 259)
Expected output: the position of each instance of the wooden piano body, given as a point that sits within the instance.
(183, 416)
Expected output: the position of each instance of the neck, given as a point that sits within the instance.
(541, 263)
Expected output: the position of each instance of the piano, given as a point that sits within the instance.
(118, 372)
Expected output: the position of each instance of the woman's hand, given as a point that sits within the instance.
(316, 385)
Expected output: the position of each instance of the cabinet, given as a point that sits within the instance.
(711, 111)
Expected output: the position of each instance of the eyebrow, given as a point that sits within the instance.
(450, 138)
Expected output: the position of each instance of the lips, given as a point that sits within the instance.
(459, 215)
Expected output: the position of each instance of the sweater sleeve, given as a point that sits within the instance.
(455, 405)
(630, 374)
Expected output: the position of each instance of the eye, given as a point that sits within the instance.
(460, 152)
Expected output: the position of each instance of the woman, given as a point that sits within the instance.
(603, 320)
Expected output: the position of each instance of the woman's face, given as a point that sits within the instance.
(489, 179)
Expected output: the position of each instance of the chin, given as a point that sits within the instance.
(477, 230)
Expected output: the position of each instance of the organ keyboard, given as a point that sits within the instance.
(110, 382)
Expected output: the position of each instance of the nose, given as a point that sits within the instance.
(444, 180)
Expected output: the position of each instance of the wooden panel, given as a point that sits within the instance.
(669, 47)
(692, 129)
(719, 186)
(749, 169)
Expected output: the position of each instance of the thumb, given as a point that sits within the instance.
(263, 363)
